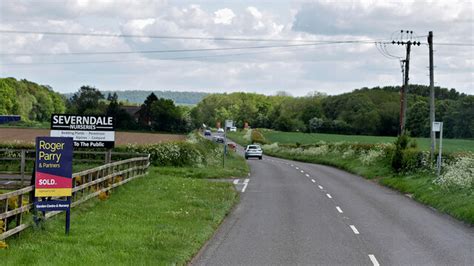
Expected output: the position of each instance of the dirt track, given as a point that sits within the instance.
(121, 138)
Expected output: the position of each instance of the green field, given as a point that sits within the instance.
(449, 145)
(163, 218)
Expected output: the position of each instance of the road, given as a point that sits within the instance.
(298, 213)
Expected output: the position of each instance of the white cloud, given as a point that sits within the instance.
(327, 68)
(224, 16)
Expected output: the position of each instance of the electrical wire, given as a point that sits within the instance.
(160, 36)
(176, 50)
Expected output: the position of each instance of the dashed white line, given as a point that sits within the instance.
(307, 175)
(312, 180)
(302, 171)
(246, 182)
(354, 229)
(236, 181)
(297, 168)
(291, 165)
(329, 195)
(320, 187)
(374, 260)
(339, 209)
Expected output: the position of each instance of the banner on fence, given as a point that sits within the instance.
(88, 131)
(53, 175)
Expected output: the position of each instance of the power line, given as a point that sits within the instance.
(134, 60)
(160, 36)
(178, 50)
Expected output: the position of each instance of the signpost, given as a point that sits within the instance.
(438, 127)
(53, 174)
(87, 131)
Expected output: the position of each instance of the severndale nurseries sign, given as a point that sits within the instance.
(87, 131)
(53, 174)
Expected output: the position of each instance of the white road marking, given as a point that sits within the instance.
(374, 260)
(246, 183)
(297, 168)
(291, 165)
(307, 175)
(320, 187)
(329, 195)
(312, 180)
(339, 209)
(302, 171)
(354, 229)
(236, 181)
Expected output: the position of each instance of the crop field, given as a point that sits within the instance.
(449, 145)
(121, 138)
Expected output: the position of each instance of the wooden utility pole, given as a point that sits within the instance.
(403, 106)
(432, 97)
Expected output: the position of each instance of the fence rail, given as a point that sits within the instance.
(15, 206)
(19, 163)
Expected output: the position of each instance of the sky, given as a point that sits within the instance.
(291, 40)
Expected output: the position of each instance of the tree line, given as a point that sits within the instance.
(366, 111)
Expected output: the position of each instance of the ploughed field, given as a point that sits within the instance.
(121, 138)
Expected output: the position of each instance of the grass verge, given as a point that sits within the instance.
(162, 218)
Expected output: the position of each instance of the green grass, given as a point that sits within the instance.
(163, 218)
(238, 137)
(449, 145)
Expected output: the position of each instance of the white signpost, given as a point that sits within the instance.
(87, 131)
(438, 127)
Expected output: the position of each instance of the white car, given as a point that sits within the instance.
(233, 129)
(253, 151)
(220, 130)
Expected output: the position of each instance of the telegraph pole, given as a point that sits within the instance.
(404, 89)
(432, 97)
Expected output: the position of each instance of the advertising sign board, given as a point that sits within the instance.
(88, 131)
(53, 175)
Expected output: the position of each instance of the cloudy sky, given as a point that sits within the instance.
(283, 45)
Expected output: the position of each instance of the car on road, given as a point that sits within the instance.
(253, 150)
(233, 129)
(220, 139)
(220, 130)
(207, 132)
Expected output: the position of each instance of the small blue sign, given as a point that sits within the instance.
(53, 205)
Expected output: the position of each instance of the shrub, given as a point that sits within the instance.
(257, 137)
(459, 174)
(369, 157)
(411, 159)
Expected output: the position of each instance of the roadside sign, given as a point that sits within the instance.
(436, 126)
(53, 175)
(87, 131)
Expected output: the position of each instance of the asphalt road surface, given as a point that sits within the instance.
(297, 213)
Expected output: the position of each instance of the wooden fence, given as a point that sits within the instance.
(15, 206)
(22, 160)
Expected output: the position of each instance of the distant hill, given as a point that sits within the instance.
(138, 96)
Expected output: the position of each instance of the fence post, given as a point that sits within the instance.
(22, 167)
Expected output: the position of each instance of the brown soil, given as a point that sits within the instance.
(121, 138)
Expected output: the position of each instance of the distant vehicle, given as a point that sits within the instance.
(220, 139)
(220, 130)
(232, 129)
(253, 151)
(232, 146)
(207, 132)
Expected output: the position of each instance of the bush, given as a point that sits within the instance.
(411, 159)
(257, 137)
(459, 174)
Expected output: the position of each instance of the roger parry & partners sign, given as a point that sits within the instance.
(53, 175)
(88, 131)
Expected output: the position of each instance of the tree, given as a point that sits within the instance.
(315, 124)
(87, 101)
(166, 116)
(122, 119)
(8, 103)
(145, 112)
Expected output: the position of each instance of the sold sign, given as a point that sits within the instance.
(53, 176)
